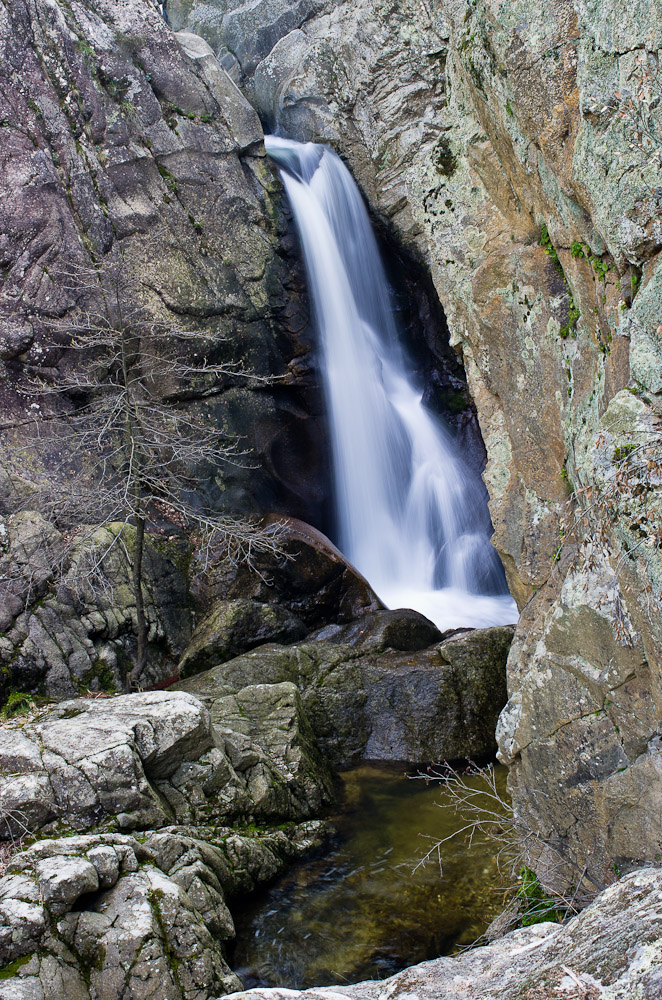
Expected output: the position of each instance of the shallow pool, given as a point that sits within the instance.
(361, 911)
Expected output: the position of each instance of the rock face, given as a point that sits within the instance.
(64, 630)
(120, 137)
(145, 761)
(112, 916)
(610, 951)
(381, 688)
(517, 153)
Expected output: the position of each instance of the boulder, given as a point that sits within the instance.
(273, 717)
(309, 576)
(233, 627)
(610, 951)
(367, 699)
(145, 761)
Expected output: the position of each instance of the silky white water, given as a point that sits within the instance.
(412, 516)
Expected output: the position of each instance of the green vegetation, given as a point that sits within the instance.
(580, 250)
(454, 402)
(573, 315)
(535, 906)
(18, 703)
(622, 451)
(9, 971)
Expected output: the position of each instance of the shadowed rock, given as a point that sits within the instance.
(368, 699)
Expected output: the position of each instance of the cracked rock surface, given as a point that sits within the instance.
(114, 916)
(145, 761)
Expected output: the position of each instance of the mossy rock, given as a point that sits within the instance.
(234, 627)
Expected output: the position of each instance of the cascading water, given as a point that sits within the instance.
(412, 515)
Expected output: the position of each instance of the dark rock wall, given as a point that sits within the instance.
(118, 137)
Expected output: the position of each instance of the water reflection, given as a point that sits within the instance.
(360, 912)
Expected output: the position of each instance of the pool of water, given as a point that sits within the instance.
(361, 911)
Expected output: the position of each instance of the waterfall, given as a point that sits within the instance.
(412, 515)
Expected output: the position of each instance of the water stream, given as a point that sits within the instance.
(412, 515)
(362, 911)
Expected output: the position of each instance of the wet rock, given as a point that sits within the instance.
(402, 630)
(147, 760)
(610, 951)
(371, 701)
(233, 627)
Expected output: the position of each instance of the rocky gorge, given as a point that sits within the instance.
(511, 162)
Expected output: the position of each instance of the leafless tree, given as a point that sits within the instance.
(120, 444)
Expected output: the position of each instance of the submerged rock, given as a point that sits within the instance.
(366, 699)
(610, 951)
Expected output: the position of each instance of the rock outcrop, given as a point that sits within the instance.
(145, 761)
(516, 152)
(610, 951)
(384, 687)
(116, 916)
(68, 609)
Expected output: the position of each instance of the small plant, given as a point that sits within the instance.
(18, 703)
(622, 451)
(600, 267)
(569, 327)
(534, 904)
